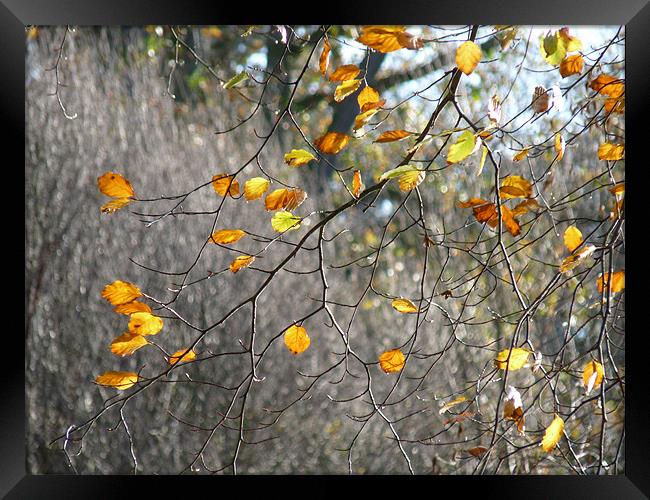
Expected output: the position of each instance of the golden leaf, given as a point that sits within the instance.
(144, 323)
(381, 38)
(618, 282)
(227, 236)
(285, 221)
(346, 72)
(515, 186)
(345, 89)
(362, 118)
(223, 183)
(410, 180)
(331, 142)
(451, 404)
(357, 184)
(114, 205)
(296, 339)
(367, 96)
(132, 307)
(392, 361)
(254, 188)
(572, 238)
(284, 198)
(576, 258)
(127, 343)
(553, 434)
(118, 380)
(393, 135)
(592, 375)
(518, 358)
(559, 146)
(298, 157)
(179, 357)
(120, 292)
(618, 189)
(115, 186)
(609, 151)
(521, 155)
(608, 85)
(468, 55)
(571, 65)
(241, 262)
(404, 306)
(324, 60)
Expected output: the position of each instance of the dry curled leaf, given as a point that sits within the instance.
(357, 184)
(541, 99)
(468, 55)
(324, 61)
(513, 409)
(451, 404)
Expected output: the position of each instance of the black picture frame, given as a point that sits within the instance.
(634, 14)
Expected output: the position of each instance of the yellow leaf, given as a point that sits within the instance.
(392, 361)
(468, 56)
(410, 180)
(298, 157)
(241, 262)
(576, 258)
(521, 155)
(451, 404)
(572, 238)
(132, 307)
(404, 306)
(393, 135)
(592, 375)
(381, 38)
(362, 118)
(121, 292)
(179, 357)
(518, 358)
(115, 186)
(571, 43)
(357, 184)
(515, 186)
(119, 380)
(462, 148)
(223, 184)
(553, 434)
(571, 65)
(609, 151)
(367, 96)
(114, 205)
(559, 146)
(331, 142)
(254, 188)
(227, 236)
(127, 343)
(618, 189)
(284, 198)
(285, 221)
(345, 89)
(144, 323)
(343, 73)
(618, 282)
(324, 60)
(296, 339)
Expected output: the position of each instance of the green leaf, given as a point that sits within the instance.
(396, 172)
(236, 80)
(285, 221)
(553, 48)
(483, 157)
(462, 148)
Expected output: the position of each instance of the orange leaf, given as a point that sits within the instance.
(241, 262)
(393, 135)
(346, 72)
(114, 205)
(132, 307)
(571, 65)
(223, 183)
(357, 184)
(127, 343)
(118, 380)
(392, 361)
(618, 282)
(609, 151)
(121, 292)
(608, 85)
(115, 186)
(227, 236)
(592, 375)
(284, 198)
(324, 60)
(180, 357)
(331, 142)
(381, 38)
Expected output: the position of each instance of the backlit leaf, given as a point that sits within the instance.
(144, 323)
(609, 151)
(120, 292)
(346, 72)
(468, 55)
(254, 188)
(618, 282)
(515, 186)
(362, 118)
(559, 146)
(393, 135)
(367, 96)
(357, 184)
(118, 380)
(571, 43)
(223, 183)
(381, 38)
(571, 65)
(451, 404)
(114, 185)
(464, 146)
(518, 358)
(296, 339)
(521, 155)
(576, 258)
(235, 80)
(114, 205)
(572, 238)
(127, 343)
(284, 198)
(404, 306)
(513, 409)
(592, 375)
(392, 361)
(345, 89)
(324, 61)
(553, 48)
(227, 236)
(608, 85)
(285, 221)
(477, 451)
(241, 262)
(298, 157)
(552, 434)
(132, 307)
(331, 142)
(179, 357)
(410, 180)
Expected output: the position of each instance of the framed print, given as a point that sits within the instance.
(330, 254)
